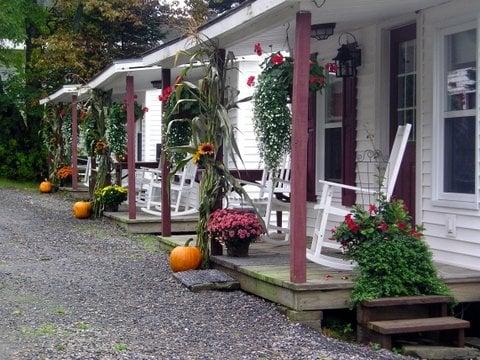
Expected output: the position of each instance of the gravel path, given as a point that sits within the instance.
(72, 289)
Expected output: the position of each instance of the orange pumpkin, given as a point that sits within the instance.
(46, 187)
(82, 209)
(186, 257)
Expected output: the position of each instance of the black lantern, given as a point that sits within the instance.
(348, 58)
(157, 84)
(322, 31)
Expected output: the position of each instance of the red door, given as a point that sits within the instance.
(403, 106)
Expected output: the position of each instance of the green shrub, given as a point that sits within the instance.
(392, 257)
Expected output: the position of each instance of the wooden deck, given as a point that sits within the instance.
(151, 224)
(266, 273)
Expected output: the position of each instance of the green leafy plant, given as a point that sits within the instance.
(116, 133)
(393, 259)
(272, 116)
(111, 195)
(67, 136)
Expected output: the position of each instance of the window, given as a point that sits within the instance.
(458, 115)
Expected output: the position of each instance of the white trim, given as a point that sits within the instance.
(61, 94)
(439, 197)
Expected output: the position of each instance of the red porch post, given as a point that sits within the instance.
(74, 143)
(166, 216)
(298, 206)
(132, 209)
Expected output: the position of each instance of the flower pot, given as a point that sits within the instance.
(237, 248)
(111, 208)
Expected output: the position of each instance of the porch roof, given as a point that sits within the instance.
(114, 77)
(265, 21)
(64, 94)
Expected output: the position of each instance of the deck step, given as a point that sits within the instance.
(390, 327)
(407, 300)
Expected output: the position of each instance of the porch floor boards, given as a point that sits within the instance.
(266, 273)
(151, 224)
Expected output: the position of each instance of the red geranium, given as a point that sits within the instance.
(372, 209)
(352, 225)
(251, 81)
(145, 109)
(331, 67)
(277, 59)
(166, 92)
(258, 49)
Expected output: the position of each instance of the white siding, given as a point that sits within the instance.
(152, 125)
(462, 245)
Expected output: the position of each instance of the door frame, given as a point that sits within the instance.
(409, 32)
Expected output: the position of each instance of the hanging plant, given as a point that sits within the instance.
(116, 133)
(178, 116)
(116, 130)
(273, 93)
(67, 136)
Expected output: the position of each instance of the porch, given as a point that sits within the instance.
(266, 273)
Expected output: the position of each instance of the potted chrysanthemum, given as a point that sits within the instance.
(237, 229)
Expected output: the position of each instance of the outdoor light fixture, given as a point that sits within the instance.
(157, 84)
(348, 58)
(322, 31)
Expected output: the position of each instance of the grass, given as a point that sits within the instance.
(120, 347)
(16, 184)
(150, 243)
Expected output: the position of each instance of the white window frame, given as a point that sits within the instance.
(439, 196)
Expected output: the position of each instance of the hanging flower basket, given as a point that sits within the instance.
(273, 93)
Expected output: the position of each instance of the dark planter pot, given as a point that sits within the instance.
(237, 248)
(66, 182)
(111, 208)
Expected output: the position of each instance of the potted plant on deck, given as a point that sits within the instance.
(111, 197)
(64, 174)
(237, 229)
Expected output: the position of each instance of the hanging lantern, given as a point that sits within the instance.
(348, 58)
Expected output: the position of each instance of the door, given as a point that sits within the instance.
(403, 106)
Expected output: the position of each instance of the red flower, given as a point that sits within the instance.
(351, 224)
(277, 59)
(251, 81)
(145, 109)
(317, 79)
(383, 227)
(166, 92)
(258, 49)
(331, 67)
(372, 209)
(416, 234)
(402, 226)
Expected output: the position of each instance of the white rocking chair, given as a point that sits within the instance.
(277, 194)
(325, 207)
(180, 192)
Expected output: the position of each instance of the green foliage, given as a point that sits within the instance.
(399, 266)
(393, 259)
(67, 136)
(116, 129)
(20, 158)
(111, 195)
(272, 116)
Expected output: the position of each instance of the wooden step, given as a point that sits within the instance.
(407, 300)
(390, 327)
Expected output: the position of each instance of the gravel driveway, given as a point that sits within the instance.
(73, 289)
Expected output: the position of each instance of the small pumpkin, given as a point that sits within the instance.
(186, 257)
(82, 209)
(46, 187)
